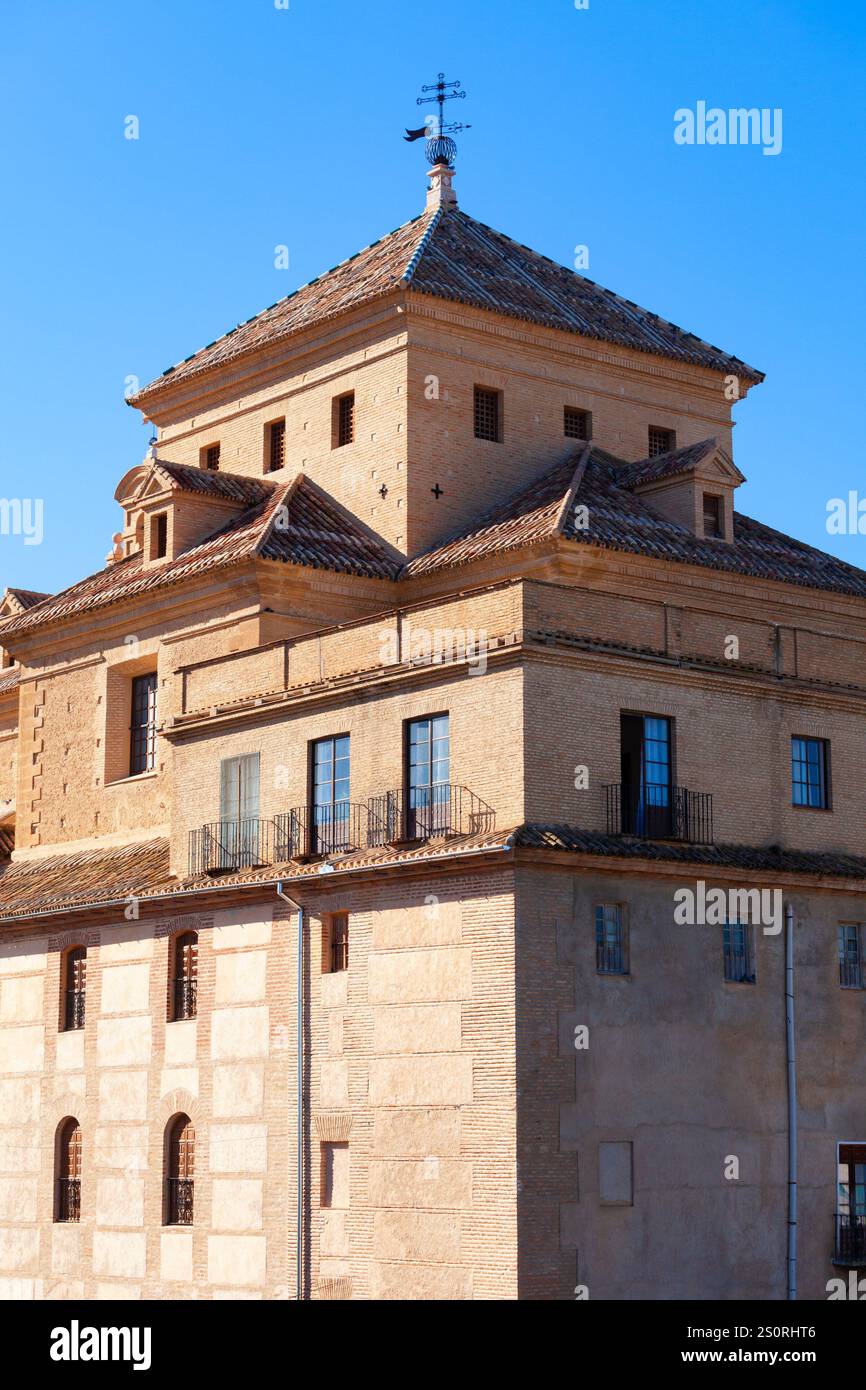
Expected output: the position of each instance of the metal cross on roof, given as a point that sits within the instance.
(440, 148)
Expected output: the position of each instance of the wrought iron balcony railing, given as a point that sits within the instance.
(180, 1201)
(68, 1199)
(656, 812)
(184, 996)
(850, 1248)
(426, 813)
(228, 845)
(338, 828)
(74, 1013)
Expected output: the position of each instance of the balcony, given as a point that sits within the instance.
(428, 813)
(659, 813)
(180, 1201)
(850, 1247)
(308, 832)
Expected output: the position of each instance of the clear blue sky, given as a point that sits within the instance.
(261, 126)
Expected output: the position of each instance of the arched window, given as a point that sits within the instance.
(74, 976)
(68, 1161)
(181, 1171)
(185, 980)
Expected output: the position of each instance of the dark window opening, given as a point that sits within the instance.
(487, 414)
(850, 956)
(160, 536)
(661, 441)
(142, 751)
(611, 943)
(714, 516)
(851, 1205)
(339, 942)
(276, 445)
(578, 423)
(809, 773)
(345, 420)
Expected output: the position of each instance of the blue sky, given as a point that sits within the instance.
(262, 126)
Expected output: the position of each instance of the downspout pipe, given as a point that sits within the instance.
(299, 990)
(791, 1050)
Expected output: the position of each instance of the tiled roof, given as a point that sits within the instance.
(233, 487)
(60, 881)
(619, 520)
(450, 255)
(10, 680)
(28, 598)
(744, 857)
(669, 465)
(7, 842)
(296, 523)
(375, 271)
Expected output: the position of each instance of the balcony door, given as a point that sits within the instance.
(239, 832)
(330, 809)
(428, 769)
(851, 1204)
(646, 758)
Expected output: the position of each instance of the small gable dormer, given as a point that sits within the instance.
(170, 508)
(693, 486)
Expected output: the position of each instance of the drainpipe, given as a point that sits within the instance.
(299, 1253)
(792, 1103)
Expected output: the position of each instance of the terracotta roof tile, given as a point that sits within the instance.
(295, 523)
(7, 841)
(60, 881)
(452, 256)
(28, 598)
(666, 465)
(233, 487)
(619, 520)
(10, 679)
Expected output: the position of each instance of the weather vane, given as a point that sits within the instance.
(440, 148)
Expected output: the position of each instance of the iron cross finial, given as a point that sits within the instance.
(441, 149)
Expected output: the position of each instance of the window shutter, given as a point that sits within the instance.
(229, 804)
(249, 787)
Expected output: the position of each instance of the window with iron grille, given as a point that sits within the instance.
(159, 536)
(338, 942)
(714, 516)
(611, 940)
(142, 750)
(184, 984)
(810, 782)
(181, 1171)
(578, 423)
(850, 956)
(488, 422)
(68, 1198)
(344, 420)
(276, 445)
(739, 953)
(211, 457)
(661, 441)
(74, 988)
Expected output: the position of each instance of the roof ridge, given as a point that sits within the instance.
(583, 457)
(415, 258)
(280, 500)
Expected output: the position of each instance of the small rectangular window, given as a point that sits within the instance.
(344, 420)
(488, 414)
(611, 943)
(276, 445)
(338, 942)
(335, 1175)
(714, 517)
(661, 441)
(142, 753)
(850, 956)
(739, 953)
(578, 423)
(810, 773)
(210, 457)
(160, 536)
